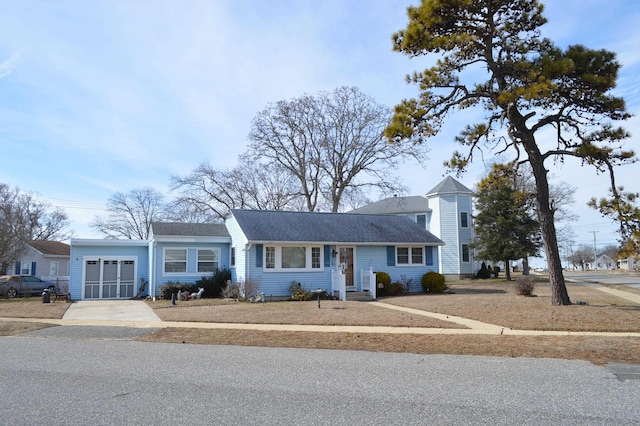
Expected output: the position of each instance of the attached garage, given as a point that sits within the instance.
(108, 269)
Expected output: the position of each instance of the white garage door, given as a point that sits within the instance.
(109, 278)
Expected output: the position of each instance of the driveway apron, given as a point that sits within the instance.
(111, 310)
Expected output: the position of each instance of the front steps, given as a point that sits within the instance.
(359, 296)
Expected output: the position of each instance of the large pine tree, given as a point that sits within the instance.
(492, 57)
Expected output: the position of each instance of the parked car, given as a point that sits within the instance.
(14, 285)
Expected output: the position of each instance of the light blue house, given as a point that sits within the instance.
(275, 248)
(269, 248)
(445, 211)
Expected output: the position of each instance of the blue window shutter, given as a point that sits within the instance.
(259, 255)
(33, 268)
(391, 256)
(18, 268)
(327, 256)
(428, 251)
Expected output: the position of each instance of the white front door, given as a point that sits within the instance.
(347, 266)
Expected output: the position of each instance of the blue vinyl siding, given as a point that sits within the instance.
(76, 265)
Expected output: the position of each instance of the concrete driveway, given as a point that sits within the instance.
(111, 310)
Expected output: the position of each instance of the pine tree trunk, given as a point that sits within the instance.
(520, 132)
(559, 295)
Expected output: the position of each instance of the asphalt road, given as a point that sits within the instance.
(631, 279)
(99, 380)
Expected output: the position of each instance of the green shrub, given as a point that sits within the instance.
(174, 287)
(433, 282)
(484, 273)
(215, 283)
(383, 283)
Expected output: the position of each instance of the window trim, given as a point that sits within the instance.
(466, 215)
(186, 261)
(463, 248)
(215, 261)
(410, 256)
(277, 258)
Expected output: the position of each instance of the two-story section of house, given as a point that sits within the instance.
(445, 211)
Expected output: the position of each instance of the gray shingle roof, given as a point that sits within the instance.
(189, 229)
(396, 205)
(449, 186)
(283, 226)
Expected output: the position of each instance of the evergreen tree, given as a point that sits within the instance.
(503, 227)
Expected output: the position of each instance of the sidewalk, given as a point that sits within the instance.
(136, 313)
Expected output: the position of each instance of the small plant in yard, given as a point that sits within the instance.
(525, 285)
(298, 292)
(395, 289)
(406, 283)
(243, 291)
(433, 282)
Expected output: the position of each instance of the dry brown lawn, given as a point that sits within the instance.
(488, 301)
(331, 312)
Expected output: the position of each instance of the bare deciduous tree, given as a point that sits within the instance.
(250, 185)
(130, 214)
(23, 218)
(330, 143)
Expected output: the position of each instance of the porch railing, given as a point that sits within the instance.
(338, 283)
(368, 280)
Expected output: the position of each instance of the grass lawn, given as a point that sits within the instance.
(492, 301)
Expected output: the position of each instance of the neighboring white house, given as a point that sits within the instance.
(445, 211)
(44, 259)
(629, 263)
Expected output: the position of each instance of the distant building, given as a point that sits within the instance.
(44, 259)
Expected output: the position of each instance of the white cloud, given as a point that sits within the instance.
(9, 64)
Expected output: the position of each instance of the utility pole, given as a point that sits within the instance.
(595, 251)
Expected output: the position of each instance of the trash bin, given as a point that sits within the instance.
(46, 296)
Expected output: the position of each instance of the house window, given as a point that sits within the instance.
(54, 268)
(25, 268)
(175, 261)
(465, 253)
(410, 256)
(270, 257)
(208, 260)
(233, 257)
(422, 220)
(315, 257)
(294, 258)
(464, 219)
(288, 258)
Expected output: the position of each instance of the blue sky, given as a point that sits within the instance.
(105, 96)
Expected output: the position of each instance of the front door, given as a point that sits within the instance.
(347, 266)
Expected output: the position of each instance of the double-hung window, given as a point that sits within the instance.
(410, 255)
(175, 261)
(208, 260)
(465, 253)
(464, 219)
